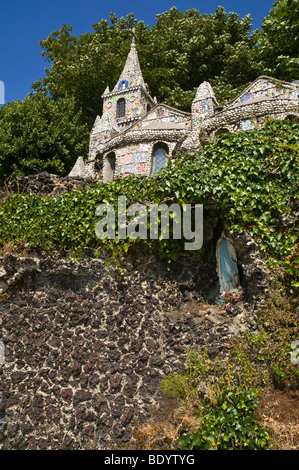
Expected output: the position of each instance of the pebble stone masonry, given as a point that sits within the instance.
(85, 345)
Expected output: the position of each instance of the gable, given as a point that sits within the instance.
(264, 88)
(164, 117)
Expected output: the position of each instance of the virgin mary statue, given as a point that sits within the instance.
(227, 268)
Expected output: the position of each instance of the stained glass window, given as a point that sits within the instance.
(159, 159)
(121, 108)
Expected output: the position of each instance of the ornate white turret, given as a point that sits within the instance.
(203, 104)
(205, 91)
(129, 100)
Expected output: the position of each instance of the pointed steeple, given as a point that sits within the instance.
(131, 75)
(126, 103)
(204, 92)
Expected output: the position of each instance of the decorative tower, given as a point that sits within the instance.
(104, 129)
(203, 105)
(129, 100)
(124, 105)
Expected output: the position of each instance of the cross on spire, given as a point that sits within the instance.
(132, 31)
(131, 74)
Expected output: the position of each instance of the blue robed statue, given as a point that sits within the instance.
(227, 267)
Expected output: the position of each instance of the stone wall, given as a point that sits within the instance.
(246, 116)
(85, 346)
(45, 184)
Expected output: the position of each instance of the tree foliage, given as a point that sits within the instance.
(180, 51)
(41, 134)
(279, 44)
(194, 47)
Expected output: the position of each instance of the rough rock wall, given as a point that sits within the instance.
(45, 184)
(87, 346)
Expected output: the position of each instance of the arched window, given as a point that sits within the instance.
(160, 152)
(123, 85)
(109, 167)
(148, 108)
(121, 108)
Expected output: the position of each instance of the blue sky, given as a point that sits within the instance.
(24, 22)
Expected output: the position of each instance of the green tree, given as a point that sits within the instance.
(40, 134)
(83, 67)
(279, 44)
(190, 47)
(180, 51)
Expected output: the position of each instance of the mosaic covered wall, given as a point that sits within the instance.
(96, 141)
(110, 125)
(136, 159)
(261, 91)
(133, 159)
(135, 103)
(264, 99)
(268, 89)
(253, 123)
(89, 169)
(201, 110)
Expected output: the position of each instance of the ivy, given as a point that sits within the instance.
(229, 424)
(249, 179)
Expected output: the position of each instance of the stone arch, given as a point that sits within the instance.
(160, 154)
(109, 167)
(293, 118)
(221, 130)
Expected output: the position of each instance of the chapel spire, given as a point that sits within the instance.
(130, 99)
(131, 75)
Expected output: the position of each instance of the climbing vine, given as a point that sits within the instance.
(249, 179)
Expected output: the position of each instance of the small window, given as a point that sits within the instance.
(121, 108)
(159, 158)
(123, 85)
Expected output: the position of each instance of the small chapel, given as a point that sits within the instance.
(137, 135)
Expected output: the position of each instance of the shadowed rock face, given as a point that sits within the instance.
(45, 184)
